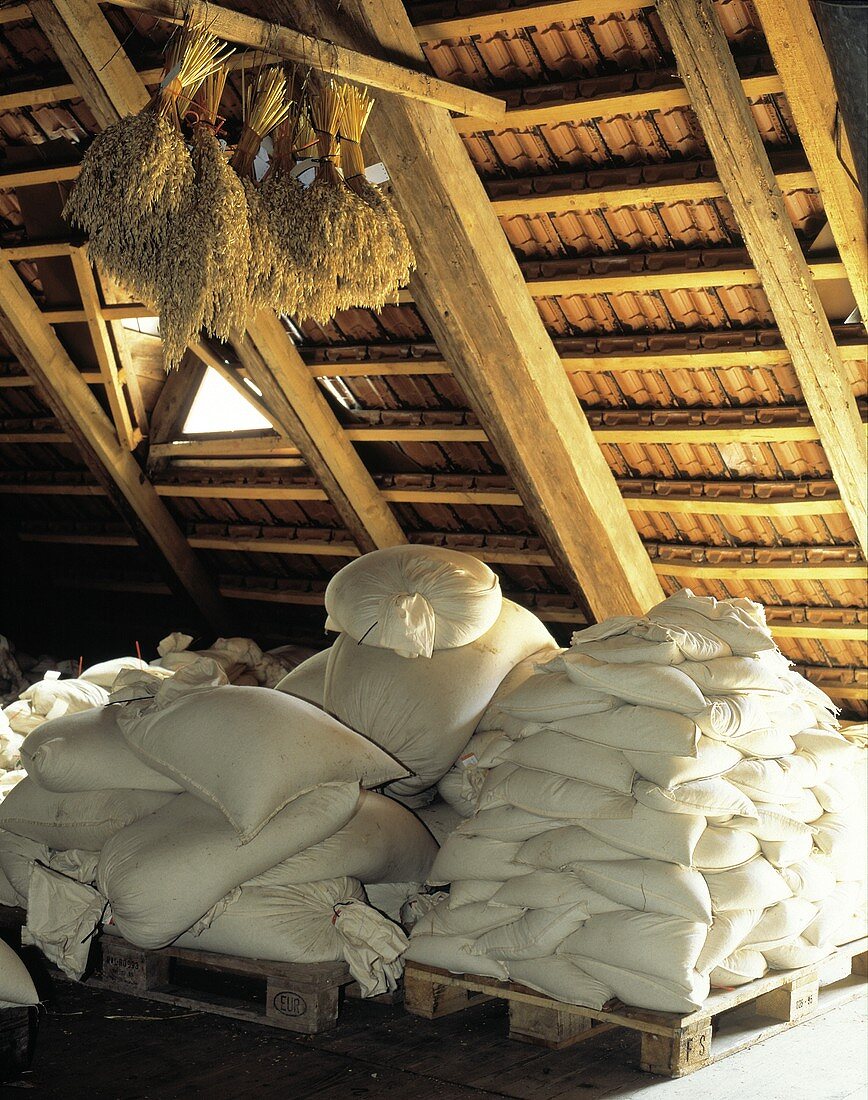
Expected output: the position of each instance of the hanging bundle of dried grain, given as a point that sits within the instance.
(136, 174)
(334, 226)
(386, 259)
(268, 104)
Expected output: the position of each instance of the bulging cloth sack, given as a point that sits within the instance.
(61, 917)
(414, 600)
(307, 680)
(86, 752)
(424, 712)
(643, 684)
(738, 624)
(16, 985)
(550, 795)
(52, 697)
(85, 819)
(316, 922)
(381, 842)
(17, 857)
(104, 673)
(248, 751)
(646, 990)
(650, 943)
(163, 873)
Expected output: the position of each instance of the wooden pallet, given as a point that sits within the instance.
(673, 1045)
(301, 997)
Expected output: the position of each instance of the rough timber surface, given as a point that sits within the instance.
(300, 997)
(672, 1045)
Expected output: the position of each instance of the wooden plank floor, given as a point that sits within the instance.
(100, 1045)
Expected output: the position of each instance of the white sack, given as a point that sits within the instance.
(744, 965)
(727, 931)
(509, 823)
(414, 599)
(651, 886)
(711, 759)
(780, 923)
(425, 712)
(473, 919)
(633, 729)
(666, 836)
(8, 894)
(551, 751)
(833, 913)
(646, 990)
(16, 985)
(249, 751)
(561, 979)
(660, 686)
(754, 885)
(733, 676)
(307, 680)
(811, 878)
(104, 673)
(544, 889)
(784, 853)
(551, 795)
(650, 943)
(708, 797)
(381, 842)
(768, 823)
(476, 857)
(61, 917)
(78, 820)
(310, 923)
(163, 873)
(52, 698)
(736, 623)
(535, 692)
(795, 954)
(17, 857)
(86, 752)
(567, 844)
(532, 936)
(722, 849)
(453, 953)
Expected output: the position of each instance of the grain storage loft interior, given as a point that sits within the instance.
(434, 506)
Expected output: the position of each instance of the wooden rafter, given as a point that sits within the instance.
(471, 294)
(706, 65)
(800, 59)
(325, 56)
(43, 356)
(302, 414)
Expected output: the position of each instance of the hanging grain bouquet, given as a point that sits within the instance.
(267, 105)
(137, 174)
(335, 220)
(385, 259)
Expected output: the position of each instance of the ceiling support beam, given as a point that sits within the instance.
(706, 65)
(471, 293)
(68, 395)
(302, 414)
(801, 61)
(324, 56)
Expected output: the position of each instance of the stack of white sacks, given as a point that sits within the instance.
(236, 819)
(230, 818)
(662, 809)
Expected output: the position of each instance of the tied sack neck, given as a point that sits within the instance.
(406, 625)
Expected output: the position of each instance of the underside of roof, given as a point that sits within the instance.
(630, 245)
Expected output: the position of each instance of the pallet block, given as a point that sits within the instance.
(300, 997)
(672, 1045)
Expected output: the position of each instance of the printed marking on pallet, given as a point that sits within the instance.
(673, 1045)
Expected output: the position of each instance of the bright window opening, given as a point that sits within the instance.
(219, 407)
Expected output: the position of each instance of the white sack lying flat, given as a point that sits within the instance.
(650, 943)
(722, 849)
(78, 820)
(668, 836)
(557, 977)
(709, 797)
(560, 847)
(754, 885)
(648, 885)
(509, 823)
(646, 990)
(381, 842)
(726, 933)
(473, 919)
(86, 752)
(711, 759)
(424, 712)
(250, 751)
(311, 923)
(631, 729)
(104, 673)
(476, 857)
(52, 698)
(414, 599)
(163, 873)
(543, 889)
(742, 966)
(307, 680)
(17, 856)
(551, 795)
(648, 685)
(453, 953)
(532, 936)
(16, 985)
(542, 695)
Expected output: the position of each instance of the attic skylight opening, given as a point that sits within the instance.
(219, 408)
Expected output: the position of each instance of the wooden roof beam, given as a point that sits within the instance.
(301, 413)
(471, 294)
(800, 59)
(68, 395)
(325, 56)
(708, 70)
